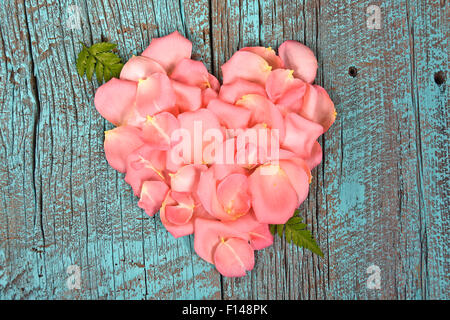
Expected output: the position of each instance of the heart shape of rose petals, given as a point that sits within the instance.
(221, 162)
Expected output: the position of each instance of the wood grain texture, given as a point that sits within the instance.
(380, 196)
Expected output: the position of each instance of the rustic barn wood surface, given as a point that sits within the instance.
(380, 196)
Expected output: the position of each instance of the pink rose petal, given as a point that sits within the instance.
(152, 196)
(208, 94)
(186, 178)
(114, 99)
(233, 257)
(208, 234)
(169, 50)
(299, 58)
(231, 116)
(301, 134)
(274, 199)
(247, 66)
(235, 90)
(232, 194)
(155, 94)
(267, 54)
(145, 164)
(318, 107)
(188, 98)
(298, 174)
(157, 130)
(119, 143)
(316, 156)
(191, 72)
(139, 68)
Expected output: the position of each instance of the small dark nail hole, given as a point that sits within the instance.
(352, 71)
(439, 77)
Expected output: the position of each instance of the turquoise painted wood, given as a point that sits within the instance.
(380, 196)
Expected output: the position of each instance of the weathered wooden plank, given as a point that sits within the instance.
(428, 29)
(22, 264)
(89, 216)
(366, 203)
(374, 209)
(366, 216)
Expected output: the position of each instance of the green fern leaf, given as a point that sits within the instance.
(90, 66)
(102, 47)
(107, 74)
(108, 58)
(98, 58)
(115, 69)
(99, 72)
(295, 232)
(304, 238)
(280, 229)
(272, 228)
(81, 61)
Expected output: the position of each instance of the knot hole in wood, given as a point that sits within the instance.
(439, 77)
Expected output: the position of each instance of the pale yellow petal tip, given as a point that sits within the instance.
(107, 133)
(310, 179)
(222, 239)
(291, 74)
(272, 169)
(243, 99)
(141, 80)
(267, 68)
(149, 118)
(143, 190)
